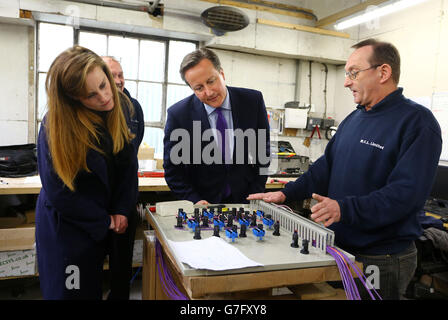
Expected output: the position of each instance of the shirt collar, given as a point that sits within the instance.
(225, 105)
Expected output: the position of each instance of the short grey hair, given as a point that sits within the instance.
(193, 58)
(383, 53)
(112, 58)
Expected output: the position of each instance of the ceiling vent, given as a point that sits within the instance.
(222, 19)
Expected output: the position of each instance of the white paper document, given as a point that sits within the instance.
(212, 253)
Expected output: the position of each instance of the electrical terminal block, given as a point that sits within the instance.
(268, 222)
(192, 224)
(219, 223)
(244, 221)
(259, 232)
(260, 213)
(232, 233)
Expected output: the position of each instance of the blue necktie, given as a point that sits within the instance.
(221, 125)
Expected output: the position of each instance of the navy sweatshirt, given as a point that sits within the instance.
(380, 167)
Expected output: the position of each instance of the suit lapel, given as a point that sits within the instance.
(236, 115)
(199, 114)
(236, 112)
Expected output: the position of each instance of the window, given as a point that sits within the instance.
(150, 66)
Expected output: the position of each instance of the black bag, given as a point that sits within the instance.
(18, 161)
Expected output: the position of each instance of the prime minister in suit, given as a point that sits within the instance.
(216, 144)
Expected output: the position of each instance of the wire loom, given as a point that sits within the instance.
(343, 262)
(168, 285)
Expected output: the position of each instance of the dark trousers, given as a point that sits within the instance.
(395, 273)
(120, 250)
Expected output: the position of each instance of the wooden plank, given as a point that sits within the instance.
(148, 273)
(314, 291)
(347, 12)
(18, 185)
(303, 28)
(200, 286)
(17, 239)
(267, 6)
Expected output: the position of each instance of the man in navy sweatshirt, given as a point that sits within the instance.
(376, 172)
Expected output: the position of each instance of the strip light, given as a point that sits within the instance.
(377, 13)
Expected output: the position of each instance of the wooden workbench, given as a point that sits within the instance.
(32, 185)
(211, 285)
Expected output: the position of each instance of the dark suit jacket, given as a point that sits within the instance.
(194, 182)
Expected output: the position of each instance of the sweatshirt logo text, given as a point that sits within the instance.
(373, 144)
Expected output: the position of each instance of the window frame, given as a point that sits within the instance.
(109, 32)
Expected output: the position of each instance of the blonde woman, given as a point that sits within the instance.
(88, 170)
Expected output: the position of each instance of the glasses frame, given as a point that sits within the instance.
(352, 75)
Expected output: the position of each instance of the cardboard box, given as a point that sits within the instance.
(17, 252)
(159, 164)
(12, 222)
(18, 221)
(145, 153)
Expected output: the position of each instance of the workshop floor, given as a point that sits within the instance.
(28, 288)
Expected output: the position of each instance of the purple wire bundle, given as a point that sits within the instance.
(168, 285)
(344, 264)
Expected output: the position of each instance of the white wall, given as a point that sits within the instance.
(260, 57)
(274, 77)
(270, 64)
(14, 84)
(420, 34)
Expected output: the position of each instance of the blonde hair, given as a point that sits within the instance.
(72, 129)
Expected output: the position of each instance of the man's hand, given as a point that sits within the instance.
(203, 202)
(327, 210)
(275, 197)
(120, 223)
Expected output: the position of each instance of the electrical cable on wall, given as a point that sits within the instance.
(325, 90)
(309, 76)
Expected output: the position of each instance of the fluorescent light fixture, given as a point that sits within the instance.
(376, 13)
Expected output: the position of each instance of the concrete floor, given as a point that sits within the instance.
(28, 288)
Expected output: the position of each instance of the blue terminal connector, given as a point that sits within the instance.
(260, 213)
(268, 222)
(182, 213)
(192, 224)
(209, 215)
(258, 232)
(231, 234)
(219, 223)
(244, 221)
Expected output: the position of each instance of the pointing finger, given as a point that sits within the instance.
(318, 197)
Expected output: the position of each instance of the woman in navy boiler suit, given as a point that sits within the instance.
(88, 171)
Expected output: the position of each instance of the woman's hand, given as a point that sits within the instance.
(120, 223)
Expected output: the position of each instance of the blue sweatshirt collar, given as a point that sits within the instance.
(383, 103)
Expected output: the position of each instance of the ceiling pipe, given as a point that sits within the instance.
(151, 7)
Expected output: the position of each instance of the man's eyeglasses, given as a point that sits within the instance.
(352, 75)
